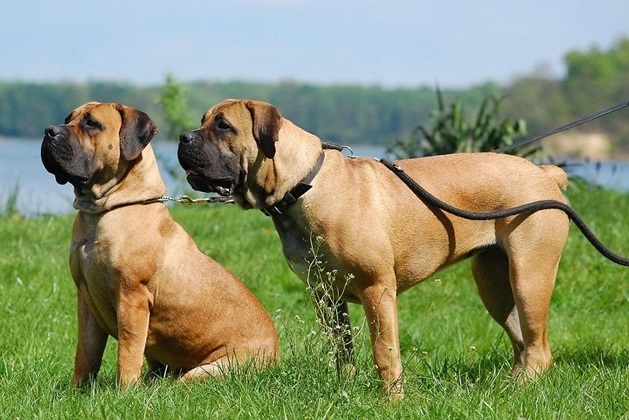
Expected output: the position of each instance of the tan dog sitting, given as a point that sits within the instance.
(139, 275)
(377, 230)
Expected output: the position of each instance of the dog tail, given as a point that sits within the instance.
(557, 174)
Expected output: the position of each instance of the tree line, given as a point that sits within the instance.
(352, 114)
(344, 114)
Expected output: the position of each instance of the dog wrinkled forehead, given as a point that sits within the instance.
(80, 111)
(209, 115)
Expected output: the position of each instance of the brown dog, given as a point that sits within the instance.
(376, 229)
(140, 277)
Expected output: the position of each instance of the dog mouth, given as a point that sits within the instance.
(58, 161)
(63, 178)
(223, 186)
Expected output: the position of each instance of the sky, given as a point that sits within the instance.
(395, 43)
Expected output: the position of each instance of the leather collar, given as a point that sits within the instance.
(293, 195)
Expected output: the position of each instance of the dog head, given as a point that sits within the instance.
(235, 139)
(97, 142)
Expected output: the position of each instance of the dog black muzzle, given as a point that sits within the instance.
(60, 158)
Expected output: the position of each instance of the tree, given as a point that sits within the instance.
(176, 112)
(598, 78)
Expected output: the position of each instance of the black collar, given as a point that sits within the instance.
(293, 195)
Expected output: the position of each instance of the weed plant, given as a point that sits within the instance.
(10, 207)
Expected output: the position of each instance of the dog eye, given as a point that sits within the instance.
(223, 125)
(91, 123)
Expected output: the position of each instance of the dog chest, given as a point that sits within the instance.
(94, 281)
(295, 246)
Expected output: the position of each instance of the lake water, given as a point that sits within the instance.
(38, 193)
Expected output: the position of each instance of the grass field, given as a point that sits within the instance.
(456, 358)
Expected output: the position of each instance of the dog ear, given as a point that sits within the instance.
(136, 131)
(266, 126)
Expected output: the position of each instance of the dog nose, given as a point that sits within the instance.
(52, 131)
(187, 137)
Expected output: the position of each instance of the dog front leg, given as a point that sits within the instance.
(92, 340)
(334, 314)
(345, 347)
(380, 304)
(133, 324)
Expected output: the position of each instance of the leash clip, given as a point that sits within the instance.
(338, 147)
(184, 199)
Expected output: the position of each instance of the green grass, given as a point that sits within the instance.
(456, 358)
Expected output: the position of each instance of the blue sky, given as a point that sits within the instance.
(394, 43)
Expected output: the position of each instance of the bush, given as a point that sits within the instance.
(452, 133)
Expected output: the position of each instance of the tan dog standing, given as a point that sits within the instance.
(376, 229)
(140, 277)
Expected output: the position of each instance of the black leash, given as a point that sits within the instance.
(564, 127)
(525, 208)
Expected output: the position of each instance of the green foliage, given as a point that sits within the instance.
(598, 67)
(456, 358)
(175, 108)
(596, 79)
(451, 132)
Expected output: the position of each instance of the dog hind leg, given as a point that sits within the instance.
(155, 369)
(534, 246)
(533, 285)
(490, 269)
(216, 369)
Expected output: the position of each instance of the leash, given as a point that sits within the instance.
(564, 127)
(184, 199)
(525, 208)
